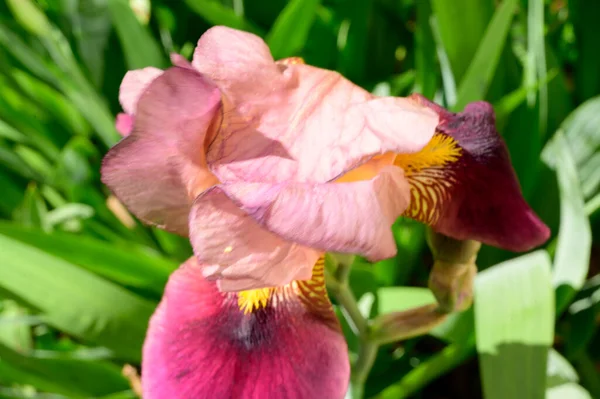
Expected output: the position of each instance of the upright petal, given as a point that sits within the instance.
(352, 217)
(290, 121)
(239, 252)
(276, 343)
(133, 86)
(160, 167)
(463, 184)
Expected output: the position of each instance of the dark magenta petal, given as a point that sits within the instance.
(201, 344)
(464, 184)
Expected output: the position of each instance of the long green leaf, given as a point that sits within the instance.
(140, 48)
(290, 30)
(74, 300)
(514, 323)
(131, 267)
(218, 14)
(74, 377)
(459, 39)
(474, 85)
(573, 249)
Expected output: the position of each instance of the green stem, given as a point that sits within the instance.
(338, 283)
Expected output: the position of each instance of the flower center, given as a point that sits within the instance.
(251, 300)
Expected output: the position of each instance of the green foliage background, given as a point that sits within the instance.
(79, 278)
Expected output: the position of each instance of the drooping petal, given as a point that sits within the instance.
(238, 251)
(160, 167)
(289, 121)
(124, 124)
(353, 217)
(278, 343)
(463, 184)
(133, 86)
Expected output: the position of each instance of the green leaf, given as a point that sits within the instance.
(398, 299)
(218, 14)
(13, 333)
(290, 30)
(425, 52)
(562, 379)
(69, 377)
(10, 133)
(127, 266)
(474, 85)
(535, 67)
(140, 48)
(91, 29)
(460, 40)
(352, 38)
(74, 300)
(514, 323)
(567, 391)
(571, 261)
(30, 17)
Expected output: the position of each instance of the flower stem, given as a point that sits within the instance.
(367, 350)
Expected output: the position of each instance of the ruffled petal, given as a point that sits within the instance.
(124, 124)
(202, 343)
(463, 184)
(289, 121)
(351, 217)
(160, 167)
(133, 86)
(239, 252)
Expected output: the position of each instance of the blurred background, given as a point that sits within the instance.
(79, 276)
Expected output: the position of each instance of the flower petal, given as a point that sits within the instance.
(239, 252)
(463, 184)
(160, 167)
(133, 86)
(201, 344)
(124, 124)
(351, 217)
(291, 121)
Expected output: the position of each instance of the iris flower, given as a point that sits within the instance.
(272, 343)
(242, 153)
(268, 164)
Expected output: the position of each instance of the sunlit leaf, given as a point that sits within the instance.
(74, 300)
(290, 30)
(514, 323)
(475, 83)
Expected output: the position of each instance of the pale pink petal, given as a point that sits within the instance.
(297, 122)
(124, 124)
(133, 86)
(238, 251)
(342, 217)
(160, 167)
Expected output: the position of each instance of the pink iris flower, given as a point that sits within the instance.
(242, 153)
(266, 165)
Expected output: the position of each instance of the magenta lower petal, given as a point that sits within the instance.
(351, 217)
(475, 194)
(200, 344)
(160, 167)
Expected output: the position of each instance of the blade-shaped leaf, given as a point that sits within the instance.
(218, 14)
(74, 300)
(140, 48)
(290, 30)
(514, 324)
(131, 267)
(572, 258)
(474, 85)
